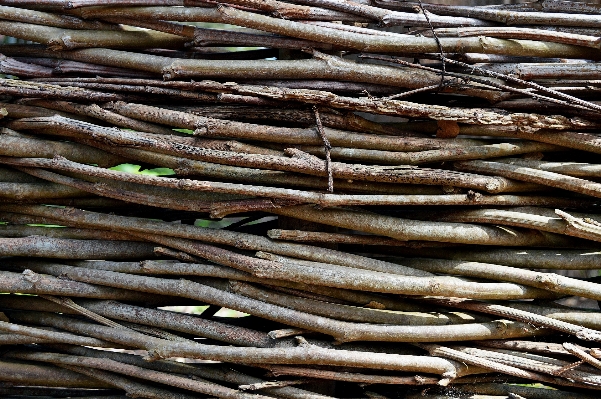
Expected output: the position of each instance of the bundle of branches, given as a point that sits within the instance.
(399, 199)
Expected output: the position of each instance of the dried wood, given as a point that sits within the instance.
(448, 199)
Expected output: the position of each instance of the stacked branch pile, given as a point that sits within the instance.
(409, 196)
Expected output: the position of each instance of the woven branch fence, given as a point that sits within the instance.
(308, 199)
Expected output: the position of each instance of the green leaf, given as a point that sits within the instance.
(188, 131)
(158, 172)
(127, 168)
(130, 168)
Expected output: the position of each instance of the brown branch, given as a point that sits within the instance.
(457, 153)
(68, 39)
(78, 218)
(583, 355)
(342, 331)
(556, 180)
(337, 238)
(548, 348)
(549, 281)
(28, 283)
(321, 66)
(206, 370)
(12, 230)
(43, 375)
(15, 144)
(19, 88)
(209, 127)
(300, 163)
(508, 17)
(10, 66)
(580, 332)
(568, 259)
(35, 192)
(336, 311)
(268, 178)
(540, 364)
(438, 350)
(554, 221)
(305, 353)
(385, 17)
(179, 322)
(350, 377)
(204, 37)
(524, 34)
(408, 229)
(45, 391)
(53, 335)
(329, 118)
(63, 248)
(48, 19)
(195, 385)
(114, 184)
(224, 14)
(576, 169)
(132, 387)
(528, 123)
(109, 190)
(564, 100)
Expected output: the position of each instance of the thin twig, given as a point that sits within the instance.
(440, 49)
(328, 148)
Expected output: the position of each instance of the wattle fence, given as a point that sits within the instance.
(309, 199)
